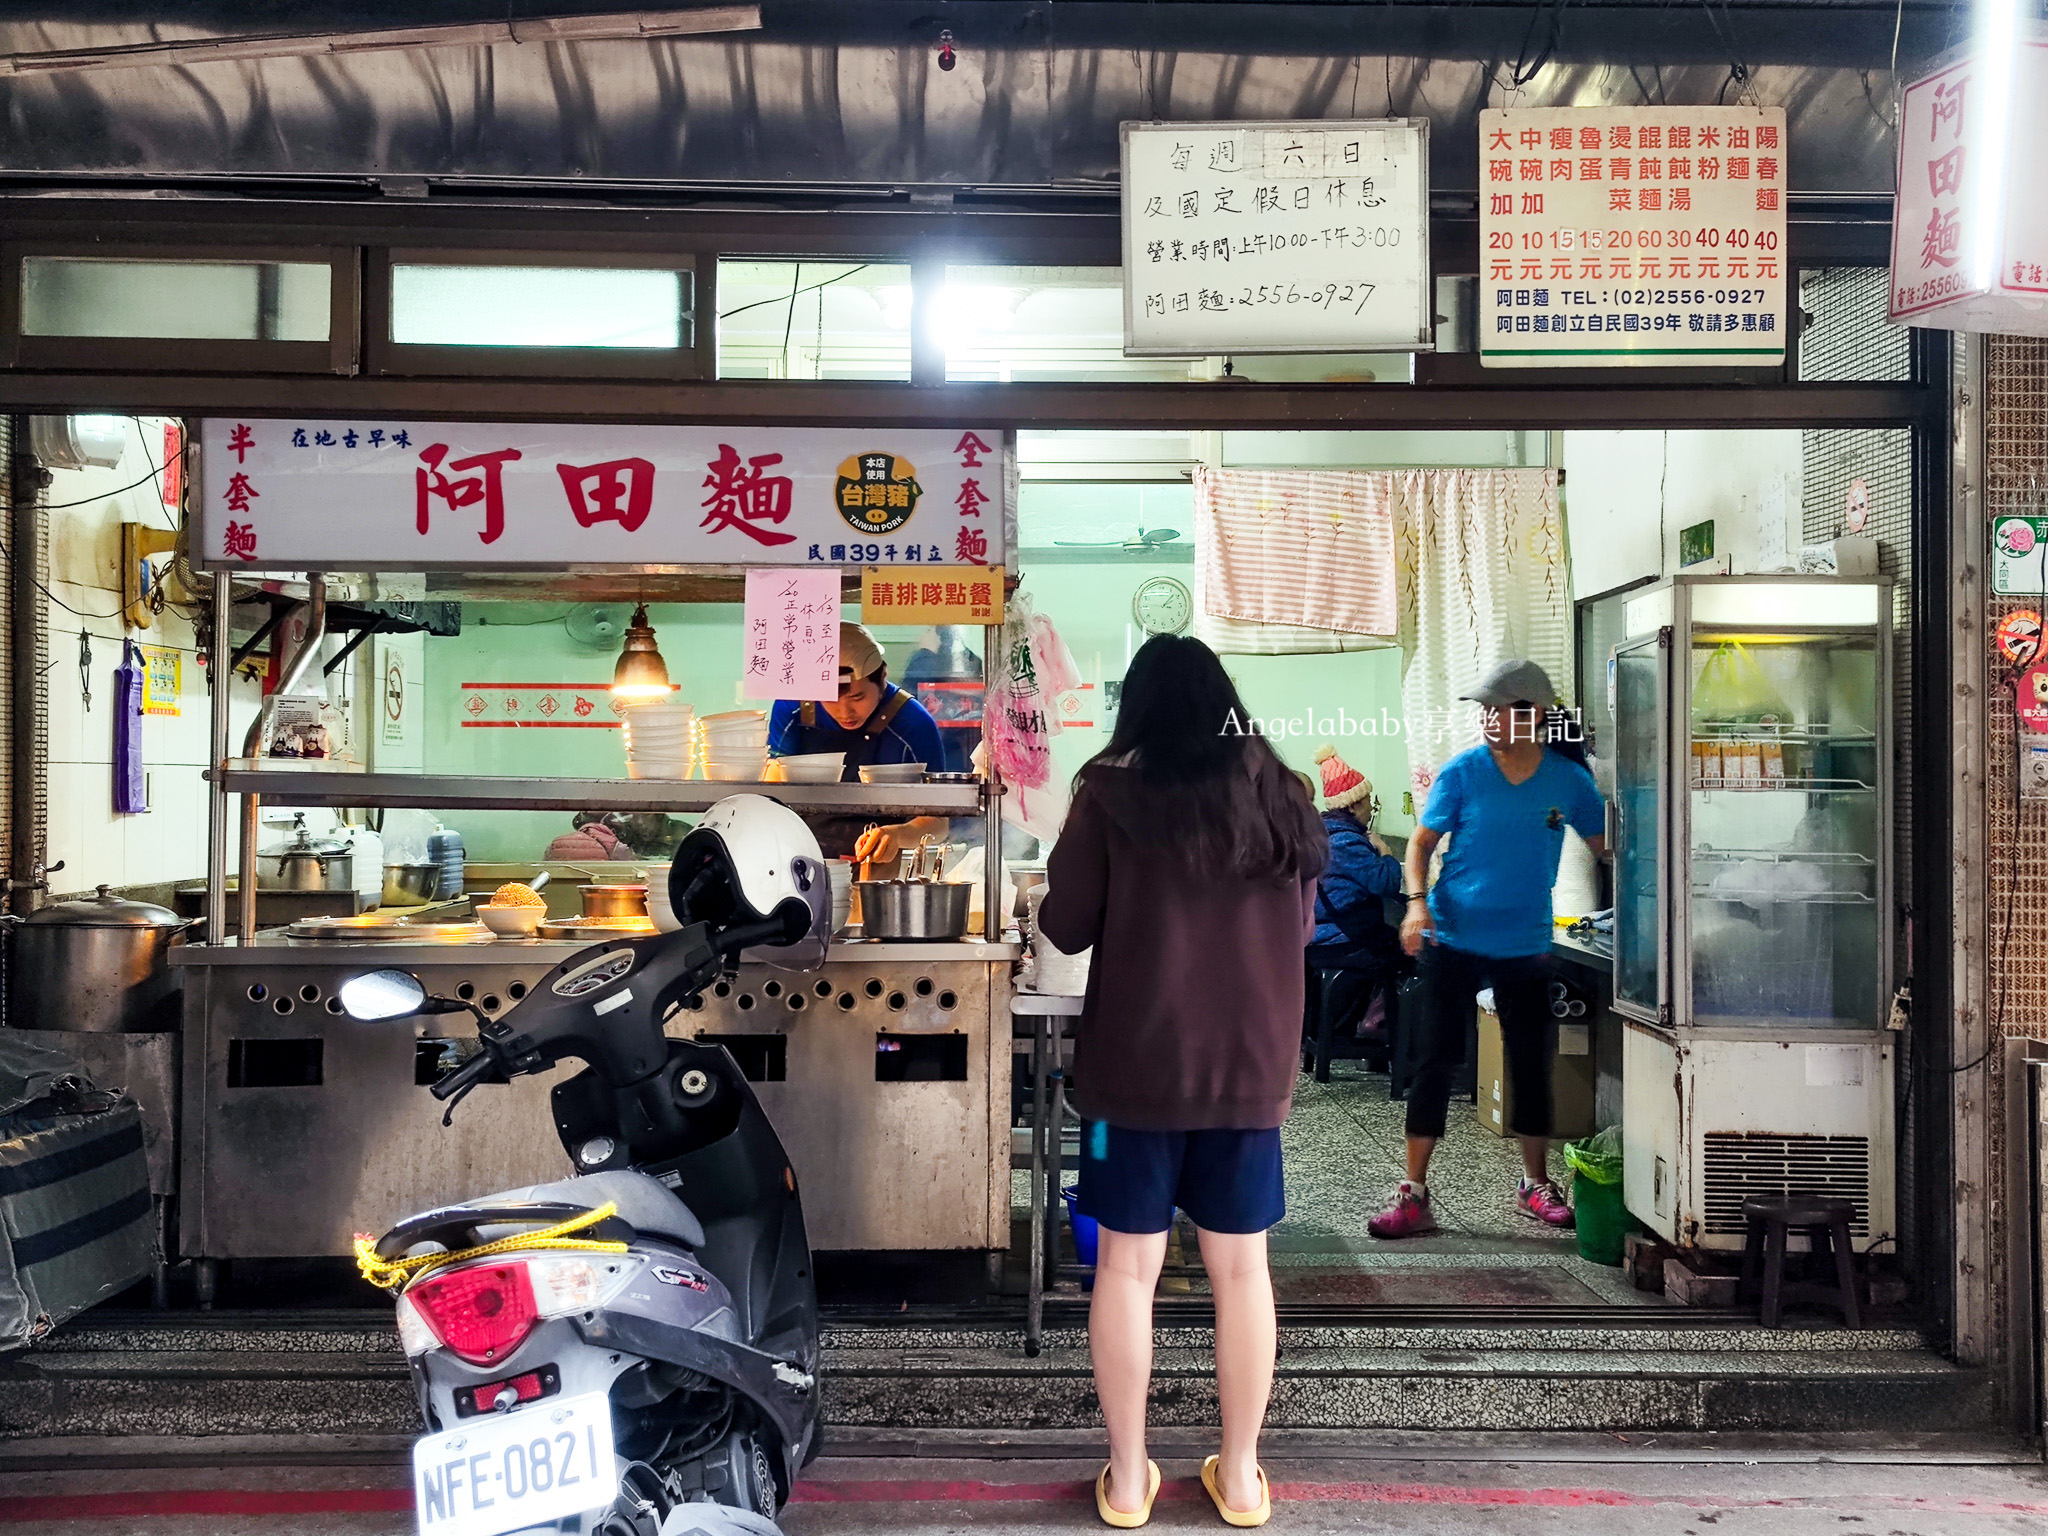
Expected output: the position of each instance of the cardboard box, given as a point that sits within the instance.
(1572, 1078)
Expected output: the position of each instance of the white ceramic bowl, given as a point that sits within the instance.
(658, 906)
(813, 768)
(893, 773)
(511, 922)
(741, 770)
(658, 768)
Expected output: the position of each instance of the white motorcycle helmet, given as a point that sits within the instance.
(751, 859)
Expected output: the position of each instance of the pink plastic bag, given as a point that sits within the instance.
(1031, 673)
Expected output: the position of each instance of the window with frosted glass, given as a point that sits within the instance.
(439, 305)
(813, 320)
(1016, 325)
(175, 300)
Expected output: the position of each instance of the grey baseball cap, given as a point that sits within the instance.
(1514, 682)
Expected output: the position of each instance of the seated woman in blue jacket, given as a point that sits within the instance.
(1352, 931)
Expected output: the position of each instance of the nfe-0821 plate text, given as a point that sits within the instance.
(506, 1473)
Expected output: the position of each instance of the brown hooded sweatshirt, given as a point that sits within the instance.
(1192, 1019)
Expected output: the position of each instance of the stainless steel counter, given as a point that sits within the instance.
(886, 1072)
(269, 946)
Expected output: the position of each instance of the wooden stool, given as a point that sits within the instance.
(1770, 1220)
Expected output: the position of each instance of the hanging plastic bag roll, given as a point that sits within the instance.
(130, 791)
(1577, 888)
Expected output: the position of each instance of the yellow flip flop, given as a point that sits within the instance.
(1117, 1517)
(1242, 1518)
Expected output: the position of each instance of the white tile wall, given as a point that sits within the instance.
(168, 842)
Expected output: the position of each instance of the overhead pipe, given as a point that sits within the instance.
(252, 803)
(27, 479)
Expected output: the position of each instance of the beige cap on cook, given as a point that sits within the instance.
(859, 656)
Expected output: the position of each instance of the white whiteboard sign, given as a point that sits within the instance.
(1276, 237)
(1632, 236)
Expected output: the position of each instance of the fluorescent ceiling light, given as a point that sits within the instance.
(618, 26)
(1997, 28)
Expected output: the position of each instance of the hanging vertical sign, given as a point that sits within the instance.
(1632, 236)
(1969, 227)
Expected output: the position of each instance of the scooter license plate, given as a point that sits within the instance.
(506, 1472)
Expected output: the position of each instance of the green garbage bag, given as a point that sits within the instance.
(1602, 1222)
(1732, 690)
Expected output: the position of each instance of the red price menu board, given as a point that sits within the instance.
(1619, 236)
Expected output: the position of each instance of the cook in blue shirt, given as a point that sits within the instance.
(873, 722)
(1504, 806)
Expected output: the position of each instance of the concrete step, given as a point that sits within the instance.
(343, 1374)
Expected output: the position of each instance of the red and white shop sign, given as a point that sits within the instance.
(1969, 226)
(410, 496)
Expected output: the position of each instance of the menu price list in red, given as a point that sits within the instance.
(1632, 236)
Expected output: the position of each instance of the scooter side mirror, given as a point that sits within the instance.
(379, 995)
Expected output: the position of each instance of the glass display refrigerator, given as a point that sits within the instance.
(1753, 922)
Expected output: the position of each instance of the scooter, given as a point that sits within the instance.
(632, 1351)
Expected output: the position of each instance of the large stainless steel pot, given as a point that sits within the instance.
(99, 965)
(306, 863)
(913, 909)
(613, 900)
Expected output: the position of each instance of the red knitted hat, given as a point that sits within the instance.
(1342, 784)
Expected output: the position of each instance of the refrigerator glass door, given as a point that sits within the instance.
(1640, 970)
(1783, 830)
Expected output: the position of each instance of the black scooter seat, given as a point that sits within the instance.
(644, 1204)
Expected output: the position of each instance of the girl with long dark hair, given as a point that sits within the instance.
(1188, 862)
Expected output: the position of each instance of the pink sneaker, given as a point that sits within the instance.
(1408, 1216)
(1544, 1202)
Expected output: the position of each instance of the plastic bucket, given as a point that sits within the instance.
(1084, 1229)
(1601, 1218)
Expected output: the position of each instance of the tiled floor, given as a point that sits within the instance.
(1343, 1150)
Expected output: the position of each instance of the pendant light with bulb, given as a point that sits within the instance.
(641, 674)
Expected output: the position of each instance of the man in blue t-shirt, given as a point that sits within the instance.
(873, 722)
(1504, 806)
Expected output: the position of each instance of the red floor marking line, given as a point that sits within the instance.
(1179, 1490)
(203, 1501)
(321, 1501)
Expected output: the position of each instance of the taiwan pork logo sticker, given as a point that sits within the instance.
(669, 1275)
(877, 492)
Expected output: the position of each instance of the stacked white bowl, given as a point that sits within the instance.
(841, 874)
(735, 744)
(658, 741)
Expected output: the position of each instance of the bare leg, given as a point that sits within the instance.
(1120, 1342)
(1419, 1150)
(1536, 1158)
(1247, 1337)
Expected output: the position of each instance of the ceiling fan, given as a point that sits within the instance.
(1143, 541)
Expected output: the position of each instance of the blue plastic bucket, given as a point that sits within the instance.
(1084, 1229)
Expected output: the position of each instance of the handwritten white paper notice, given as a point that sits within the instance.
(792, 627)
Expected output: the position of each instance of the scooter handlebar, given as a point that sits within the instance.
(471, 1071)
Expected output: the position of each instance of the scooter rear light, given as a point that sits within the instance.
(481, 1311)
(414, 1336)
(573, 1283)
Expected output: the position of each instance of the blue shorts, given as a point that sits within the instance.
(1226, 1181)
